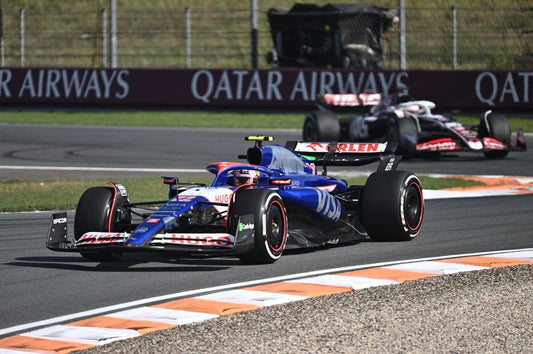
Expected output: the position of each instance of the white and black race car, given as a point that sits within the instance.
(410, 122)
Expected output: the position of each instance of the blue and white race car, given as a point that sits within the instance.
(254, 210)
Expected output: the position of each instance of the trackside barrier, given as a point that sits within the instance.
(256, 90)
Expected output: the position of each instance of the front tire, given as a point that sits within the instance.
(270, 224)
(496, 126)
(405, 132)
(321, 126)
(92, 214)
(392, 206)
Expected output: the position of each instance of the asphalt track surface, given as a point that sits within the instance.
(38, 284)
(163, 149)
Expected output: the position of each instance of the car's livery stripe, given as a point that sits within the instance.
(98, 330)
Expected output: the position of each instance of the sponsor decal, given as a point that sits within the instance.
(329, 188)
(122, 189)
(514, 87)
(350, 99)
(342, 147)
(328, 206)
(91, 238)
(59, 221)
(493, 144)
(222, 198)
(220, 240)
(211, 194)
(247, 226)
(390, 164)
(444, 144)
(65, 84)
(153, 220)
(274, 85)
(185, 198)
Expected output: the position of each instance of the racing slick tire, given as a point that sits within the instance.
(392, 206)
(270, 223)
(92, 214)
(496, 126)
(407, 137)
(321, 126)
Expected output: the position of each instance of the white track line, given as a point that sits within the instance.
(102, 169)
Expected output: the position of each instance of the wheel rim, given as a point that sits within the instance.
(413, 208)
(275, 225)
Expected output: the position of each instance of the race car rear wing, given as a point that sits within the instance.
(347, 153)
(348, 102)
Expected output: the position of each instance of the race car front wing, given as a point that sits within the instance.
(212, 242)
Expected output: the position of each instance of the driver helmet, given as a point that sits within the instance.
(244, 176)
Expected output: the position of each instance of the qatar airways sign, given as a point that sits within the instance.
(64, 84)
(288, 86)
(281, 89)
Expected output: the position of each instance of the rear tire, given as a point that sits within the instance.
(496, 126)
(392, 206)
(92, 214)
(321, 126)
(270, 224)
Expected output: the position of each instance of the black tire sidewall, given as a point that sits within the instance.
(499, 129)
(92, 212)
(324, 124)
(261, 203)
(383, 206)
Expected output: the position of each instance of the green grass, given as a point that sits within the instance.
(189, 119)
(156, 119)
(64, 194)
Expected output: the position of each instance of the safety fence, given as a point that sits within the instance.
(236, 34)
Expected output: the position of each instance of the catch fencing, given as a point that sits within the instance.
(206, 34)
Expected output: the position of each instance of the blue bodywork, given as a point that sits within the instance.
(195, 217)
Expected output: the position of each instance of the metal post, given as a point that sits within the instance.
(22, 35)
(253, 34)
(403, 47)
(187, 37)
(1, 35)
(114, 59)
(454, 37)
(105, 53)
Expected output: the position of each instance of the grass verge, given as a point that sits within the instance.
(188, 119)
